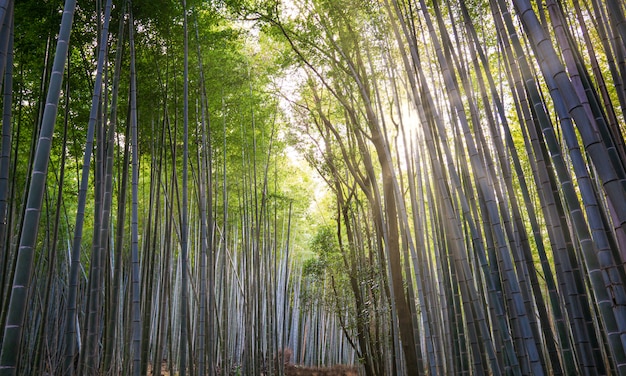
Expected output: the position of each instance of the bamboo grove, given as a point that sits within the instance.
(468, 215)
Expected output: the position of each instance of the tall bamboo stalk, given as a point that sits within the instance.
(5, 148)
(135, 267)
(184, 215)
(11, 349)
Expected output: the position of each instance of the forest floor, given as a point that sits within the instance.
(165, 371)
(339, 370)
(292, 370)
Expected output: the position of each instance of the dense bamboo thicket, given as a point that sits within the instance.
(268, 187)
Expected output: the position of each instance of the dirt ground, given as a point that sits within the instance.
(295, 370)
(292, 370)
(164, 370)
